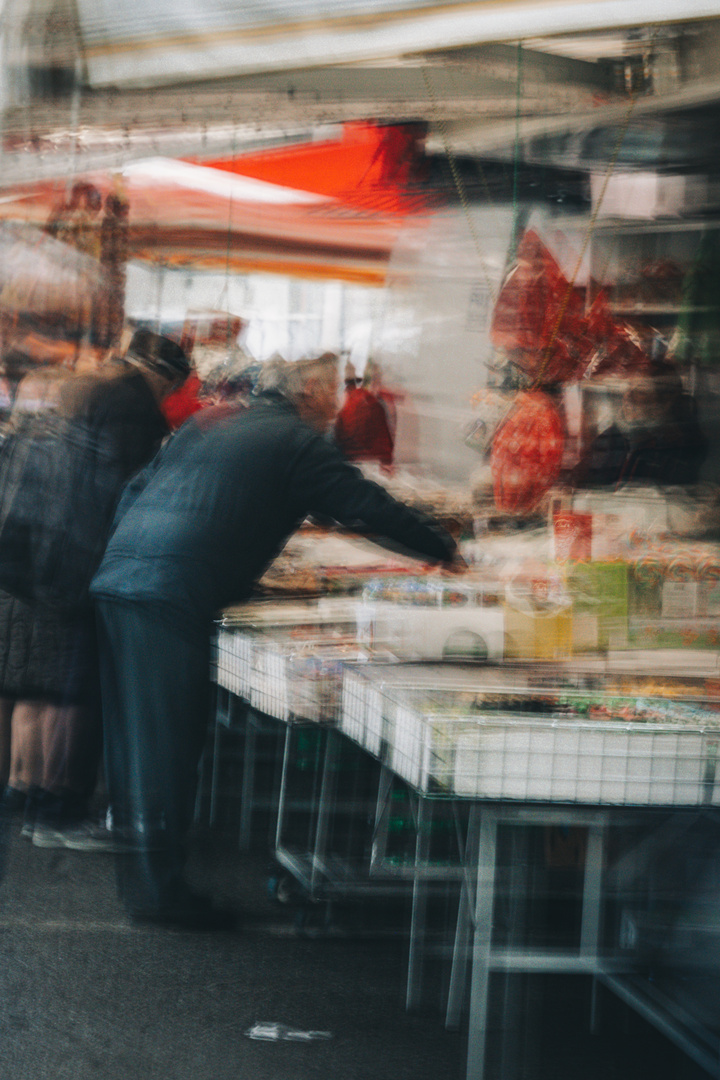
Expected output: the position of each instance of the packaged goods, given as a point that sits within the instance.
(526, 453)
(316, 562)
(674, 595)
(538, 619)
(580, 530)
(600, 604)
(431, 633)
(540, 320)
(433, 618)
(572, 535)
(645, 633)
(522, 742)
(491, 407)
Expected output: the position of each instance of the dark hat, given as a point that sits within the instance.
(158, 353)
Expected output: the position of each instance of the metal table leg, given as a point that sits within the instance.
(591, 906)
(378, 850)
(248, 780)
(482, 944)
(328, 785)
(223, 699)
(458, 971)
(282, 796)
(419, 904)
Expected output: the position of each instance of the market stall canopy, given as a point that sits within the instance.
(378, 168)
(165, 41)
(183, 214)
(94, 86)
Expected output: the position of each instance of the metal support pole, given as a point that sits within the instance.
(419, 904)
(480, 979)
(382, 815)
(325, 805)
(592, 909)
(219, 722)
(592, 885)
(248, 781)
(458, 971)
(283, 788)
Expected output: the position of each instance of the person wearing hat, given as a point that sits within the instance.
(105, 427)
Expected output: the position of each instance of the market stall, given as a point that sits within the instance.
(554, 404)
(589, 621)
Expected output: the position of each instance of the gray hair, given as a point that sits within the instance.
(290, 379)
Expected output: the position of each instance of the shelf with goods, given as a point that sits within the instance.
(656, 270)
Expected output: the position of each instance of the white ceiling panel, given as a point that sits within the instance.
(126, 43)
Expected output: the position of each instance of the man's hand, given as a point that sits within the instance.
(457, 565)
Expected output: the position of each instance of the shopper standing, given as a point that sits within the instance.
(194, 532)
(61, 482)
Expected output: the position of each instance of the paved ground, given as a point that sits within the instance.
(85, 995)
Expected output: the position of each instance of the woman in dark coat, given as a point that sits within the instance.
(47, 641)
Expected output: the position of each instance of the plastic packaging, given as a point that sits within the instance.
(270, 1031)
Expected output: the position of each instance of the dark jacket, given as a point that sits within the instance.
(199, 526)
(124, 416)
(61, 475)
(45, 653)
(671, 455)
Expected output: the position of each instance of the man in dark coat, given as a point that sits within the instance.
(194, 532)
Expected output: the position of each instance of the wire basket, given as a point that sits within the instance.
(543, 743)
(587, 763)
(300, 681)
(234, 661)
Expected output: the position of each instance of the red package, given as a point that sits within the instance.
(539, 316)
(183, 402)
(612, 346)
(572, 534)
(527, 453)
(541, 321)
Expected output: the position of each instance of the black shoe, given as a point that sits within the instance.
(190, 912)
(13, 799)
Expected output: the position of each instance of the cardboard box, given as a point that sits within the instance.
(537, 634)
(427, 633)
(600, 605)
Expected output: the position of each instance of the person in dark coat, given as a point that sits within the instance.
(193, 533)
(109, 425)
(655, 437)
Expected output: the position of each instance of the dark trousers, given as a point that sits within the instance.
(155, 677)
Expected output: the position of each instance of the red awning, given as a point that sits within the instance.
(332, 209)
(373, 167)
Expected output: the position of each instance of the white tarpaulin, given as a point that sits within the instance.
(168, 41)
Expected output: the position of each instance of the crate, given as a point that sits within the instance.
(234, 659)
(361, 714)
(612, 764)
(300, 680)
(265, 650)
(370, 698)
(512, 740)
